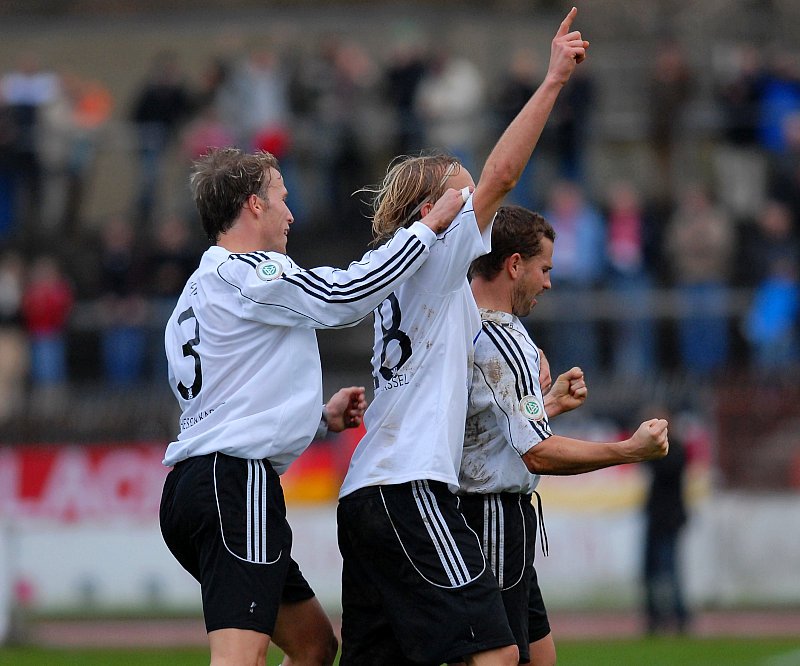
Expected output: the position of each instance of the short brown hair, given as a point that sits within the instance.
(222, 180)
(515, 229)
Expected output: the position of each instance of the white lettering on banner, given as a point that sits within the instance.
(75, 483)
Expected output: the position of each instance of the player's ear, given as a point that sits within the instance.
(254, 202)
(512, 264)
(426, 208)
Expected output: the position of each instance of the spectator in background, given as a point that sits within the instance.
(633, 339)
(739, 164)
(71, 130)
(580, 257)
(515, 89)
(352, 116)
(336, 97)
(780, 97)
(406, 69)
(161, 106)
(171, 260)
(8, 165)
(771, 322)
(665, 516)
(450, 102)
(124, 309)
(671, 84)
(206, 130)
(700, 244)
(255, 100)
(739, 97)
(25, 92)
(785, 172)
(47, 302)
(13, 343)
(571, 125)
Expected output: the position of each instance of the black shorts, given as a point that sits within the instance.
(506, 525)
(224, 519)
(416, 588)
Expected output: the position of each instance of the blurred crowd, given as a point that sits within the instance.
(334, 116)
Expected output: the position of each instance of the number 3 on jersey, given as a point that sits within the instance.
(189, 392)
(396, 347)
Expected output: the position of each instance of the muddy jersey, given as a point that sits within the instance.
(506, 416)
(422, 358)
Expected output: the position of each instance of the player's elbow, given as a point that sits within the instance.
(535, 463)
(504, 176)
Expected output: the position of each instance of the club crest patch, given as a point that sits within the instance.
(531, 409)
(269, 270)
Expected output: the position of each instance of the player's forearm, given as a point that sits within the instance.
(511, 153)
(562, 456)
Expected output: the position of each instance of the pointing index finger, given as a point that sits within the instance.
(566, 24)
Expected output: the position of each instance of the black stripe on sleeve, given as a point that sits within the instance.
(314, 281)
(380, 278)
(501, 344)
(510, 335)
(509, 348)
(246, 258)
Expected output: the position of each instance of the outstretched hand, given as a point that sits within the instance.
(445, 210)
(567, 50)
(650, 441)
(346, 408)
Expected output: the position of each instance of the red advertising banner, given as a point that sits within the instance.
(72, 483)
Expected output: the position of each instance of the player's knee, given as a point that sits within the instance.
(504, 656)
(509, 656)
(318, 652)
(328, 655)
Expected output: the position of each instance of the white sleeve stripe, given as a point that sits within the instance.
(440, 534)
(413, 244)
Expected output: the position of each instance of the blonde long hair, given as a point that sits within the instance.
(409, 184)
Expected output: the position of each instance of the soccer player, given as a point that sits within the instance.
(244, 365)
(415, 584)
(508, 442)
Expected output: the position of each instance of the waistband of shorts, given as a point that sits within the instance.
(504, 496)
(373, 491)
(210, 456)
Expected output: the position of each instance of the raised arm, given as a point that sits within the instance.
(513, 150)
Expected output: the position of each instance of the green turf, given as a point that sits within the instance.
(674, 651)
(648, 652)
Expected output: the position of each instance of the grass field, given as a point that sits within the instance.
(649, 652)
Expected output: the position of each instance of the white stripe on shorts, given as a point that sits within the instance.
(440, 534)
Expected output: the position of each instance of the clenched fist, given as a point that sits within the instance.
(650, 441)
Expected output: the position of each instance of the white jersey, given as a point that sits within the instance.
(424, 333)
(506, 416)
(242, 350)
